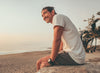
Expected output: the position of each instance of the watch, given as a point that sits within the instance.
(50, 61)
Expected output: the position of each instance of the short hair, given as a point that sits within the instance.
(49, 8)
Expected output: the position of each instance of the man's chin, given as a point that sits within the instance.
(47, 21)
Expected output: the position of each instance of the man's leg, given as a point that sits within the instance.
(64, 58)
(41, 62)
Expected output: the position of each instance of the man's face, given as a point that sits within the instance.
(47, 16)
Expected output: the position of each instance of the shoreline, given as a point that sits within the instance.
(22, 52)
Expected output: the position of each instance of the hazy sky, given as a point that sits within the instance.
(24, 16)
(21, 19)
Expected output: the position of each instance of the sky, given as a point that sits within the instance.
(21, 21)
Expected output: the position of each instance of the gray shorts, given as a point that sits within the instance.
(64, 58)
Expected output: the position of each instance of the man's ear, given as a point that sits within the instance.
(53, 12)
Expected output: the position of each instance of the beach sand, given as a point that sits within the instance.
(26, 62)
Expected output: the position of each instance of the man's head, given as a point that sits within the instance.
(48, 13)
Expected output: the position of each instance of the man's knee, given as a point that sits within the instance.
(38, 62)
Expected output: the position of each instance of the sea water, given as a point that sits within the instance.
(20, 47)
(13, 48)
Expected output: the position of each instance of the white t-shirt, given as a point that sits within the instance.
(70, 38)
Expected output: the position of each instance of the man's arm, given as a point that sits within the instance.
(58, 30)
(61, 46)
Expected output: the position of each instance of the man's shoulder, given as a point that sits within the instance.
(60, 15)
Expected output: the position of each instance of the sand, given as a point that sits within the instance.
(26, 62)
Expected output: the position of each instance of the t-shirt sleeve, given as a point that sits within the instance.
(58, 21)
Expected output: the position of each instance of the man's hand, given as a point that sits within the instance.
(45, 64)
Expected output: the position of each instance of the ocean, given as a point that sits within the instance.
(23, 47)
(19, 43)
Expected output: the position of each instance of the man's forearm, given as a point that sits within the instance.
(61, 46)
(55, 49)
(56, 42)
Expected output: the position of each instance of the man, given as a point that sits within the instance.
(67, 48)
